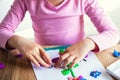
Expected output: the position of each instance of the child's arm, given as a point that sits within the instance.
(8, 40)
(33, 51)
(108, 34)
(11, 21)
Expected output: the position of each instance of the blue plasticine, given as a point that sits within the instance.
(83, 79)
(95, 74)
(55, 48)
(116, 53)
(85, 60)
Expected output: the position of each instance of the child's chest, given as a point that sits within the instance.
(40, 9)
(55, 2)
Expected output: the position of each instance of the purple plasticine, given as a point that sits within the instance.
(19, 55)
(86, 56)
(80, 77)
(54, 60)
(1, 66)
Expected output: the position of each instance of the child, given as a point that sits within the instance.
(58, 22)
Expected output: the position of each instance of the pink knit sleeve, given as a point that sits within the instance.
(108, 34)
(11, 21)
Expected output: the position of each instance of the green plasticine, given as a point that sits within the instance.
(76, 65)
(61, 50)
(72, 73)
(65, 72)
(58, 47)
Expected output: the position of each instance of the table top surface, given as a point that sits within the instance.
(21, 69)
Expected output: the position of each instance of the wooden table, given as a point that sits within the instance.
(20, 68)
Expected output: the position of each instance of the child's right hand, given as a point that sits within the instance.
(33, 51)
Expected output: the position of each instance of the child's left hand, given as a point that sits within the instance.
(75, 53)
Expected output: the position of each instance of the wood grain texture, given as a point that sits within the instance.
(15, 68)
(21, 69)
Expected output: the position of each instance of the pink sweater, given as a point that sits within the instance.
(62, 24)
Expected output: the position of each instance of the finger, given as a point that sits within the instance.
(34, 61)
(45, 56)
(40, 60)
(68, 60)
(75, 61)
(61, 59)
(62, 51)
(15, 52)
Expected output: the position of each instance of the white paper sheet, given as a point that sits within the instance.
(83, 69)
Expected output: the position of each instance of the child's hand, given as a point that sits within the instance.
(75, 53)
(33, 51)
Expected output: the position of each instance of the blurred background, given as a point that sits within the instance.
(111, 7)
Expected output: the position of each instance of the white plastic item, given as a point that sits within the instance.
(114, 69)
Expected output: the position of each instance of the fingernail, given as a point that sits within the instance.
(38, 65)
(50, 66)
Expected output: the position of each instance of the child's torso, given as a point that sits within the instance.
(60, 23)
